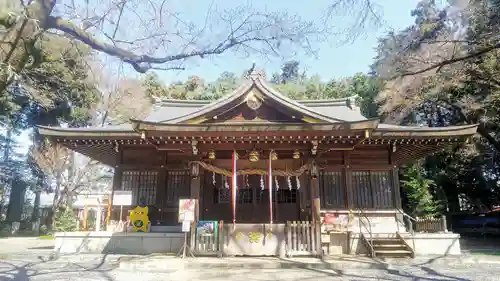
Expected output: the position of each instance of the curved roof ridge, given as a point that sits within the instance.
(199, 108)
(176, 101)
(209, 106)
(181, 104)
(199, 103)
(298, 106)
(320, 104)
(391, 127)
(338, 100)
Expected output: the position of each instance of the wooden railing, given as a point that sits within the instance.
(430, 224)
(303, 238)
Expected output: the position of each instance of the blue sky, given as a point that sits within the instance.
(333, 60)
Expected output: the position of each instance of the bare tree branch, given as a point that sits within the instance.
(452, 60)
(143, 63)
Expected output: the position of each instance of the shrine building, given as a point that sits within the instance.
(312, 176)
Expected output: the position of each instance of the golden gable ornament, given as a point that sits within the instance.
(253, 102)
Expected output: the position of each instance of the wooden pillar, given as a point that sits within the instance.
(85, 216)
(116, 185)
(396, 188)
(194, 193)
(315, 199)
(316, 209)
(160, 191)
(117, 179)
(348, 180)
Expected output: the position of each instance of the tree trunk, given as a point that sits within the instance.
(16, 202)
(35, 215)
(55, 203)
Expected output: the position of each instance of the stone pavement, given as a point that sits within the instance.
(16, 245)
(23, 259)
(115, 267)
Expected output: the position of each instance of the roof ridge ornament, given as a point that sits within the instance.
(254, 73)
(352, 103)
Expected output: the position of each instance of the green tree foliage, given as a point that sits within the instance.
(443, 70)
(194, 88)
(289, 82)
(65, 221)
(417, 191)
(58, 89)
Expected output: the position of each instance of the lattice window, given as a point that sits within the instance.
(222, 192)
(286, 196)
(177, 186)
(143, 185)
(372, 190)
(223, 195)
(244, 195)
(332, 189)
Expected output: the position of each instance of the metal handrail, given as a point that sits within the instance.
(369, 228)
(410, 219)
(410, 225)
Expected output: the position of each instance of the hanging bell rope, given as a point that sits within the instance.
(228, 173)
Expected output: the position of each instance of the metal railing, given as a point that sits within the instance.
(368, 228)
(407, 221)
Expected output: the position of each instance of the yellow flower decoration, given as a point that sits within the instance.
(239, 236)
(254, 237)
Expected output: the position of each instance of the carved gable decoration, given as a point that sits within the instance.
(255, 94)
(255, 107)
(253, 100)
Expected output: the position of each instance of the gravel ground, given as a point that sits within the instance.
(90, 268)
(31, 259)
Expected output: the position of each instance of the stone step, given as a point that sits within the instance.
(386, 241)
(393, 253)
(390, 246)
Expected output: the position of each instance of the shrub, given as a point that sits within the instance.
(65, 221)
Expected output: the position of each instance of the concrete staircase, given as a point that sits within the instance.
(391, 247)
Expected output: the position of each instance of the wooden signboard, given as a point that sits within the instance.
(186, 209)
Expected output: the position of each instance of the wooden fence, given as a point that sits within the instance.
(303, 238)
(430, 224)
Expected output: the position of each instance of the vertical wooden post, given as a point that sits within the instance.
(85, 214)
(348, 179)
(396, 189)
(117, 178)
(316, 213)
(117, 181)
(194, 192)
